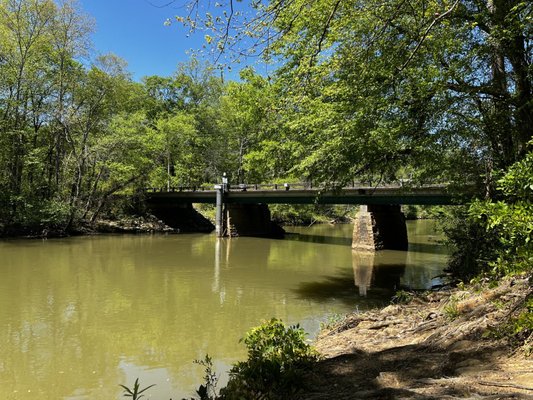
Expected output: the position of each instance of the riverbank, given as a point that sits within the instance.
(130, 224)
(441, 345)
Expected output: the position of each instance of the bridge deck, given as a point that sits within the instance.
(434, 195)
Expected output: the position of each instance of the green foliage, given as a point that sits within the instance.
(423, 212)
(496, 237)
(332, 321)
(519, 328)
(303, 214)
(208, 390)
(402, 297)
(410, 212)
(439, 90)
(277, 355)
(135, 392)
(247, 120)
(473, 246)
(512, 226)
(180, 153)
(451, 311)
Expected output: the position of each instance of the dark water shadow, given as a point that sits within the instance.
(430, 248)
(320, 239)
(347, 241)
(341, 287)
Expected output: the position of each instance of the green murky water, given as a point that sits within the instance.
(80, 316)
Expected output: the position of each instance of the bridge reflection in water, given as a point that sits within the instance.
(170, 299)
(383, 272)
(372, 269)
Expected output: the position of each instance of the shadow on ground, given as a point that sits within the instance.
(398, 373)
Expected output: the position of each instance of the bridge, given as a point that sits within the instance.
(242, 210)
(304, 194)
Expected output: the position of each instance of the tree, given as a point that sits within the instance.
(379, 87)
(185, 110)
(182, 152)
(38, 72)
(121, 160)
(103, 97)
(247, 119)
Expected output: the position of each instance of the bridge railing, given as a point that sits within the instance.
(271, 186)
(173, 189)
(286, 186)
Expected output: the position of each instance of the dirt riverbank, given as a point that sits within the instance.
(133, 224)
(442, 345)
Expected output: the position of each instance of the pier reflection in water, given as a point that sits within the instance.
(382, 269)
(80, 316)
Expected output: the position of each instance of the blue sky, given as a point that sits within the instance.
(135, 30)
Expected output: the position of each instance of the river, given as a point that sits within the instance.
(79, 316)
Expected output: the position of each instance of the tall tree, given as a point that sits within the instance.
(40, 40)
(247, 119)
(384, 87)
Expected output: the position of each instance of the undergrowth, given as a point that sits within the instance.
(277, 357)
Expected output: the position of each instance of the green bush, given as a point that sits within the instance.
(473, 246)
(519, 328)
(402, 297)
(277, 356)
(496, 237)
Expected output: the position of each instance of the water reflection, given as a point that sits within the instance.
(363, 267)
(79, 316)
(322, 239)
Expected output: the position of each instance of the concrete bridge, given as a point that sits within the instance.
(243, 209)
(304, 194)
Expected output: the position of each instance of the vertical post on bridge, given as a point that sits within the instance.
(219, 208)
(219, 216)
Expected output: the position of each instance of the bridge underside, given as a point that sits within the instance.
(249, 220)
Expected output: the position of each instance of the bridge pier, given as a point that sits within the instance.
(379, 227)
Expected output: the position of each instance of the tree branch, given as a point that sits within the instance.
(325, 31)
(426, 33)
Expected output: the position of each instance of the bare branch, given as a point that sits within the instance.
(226, 34)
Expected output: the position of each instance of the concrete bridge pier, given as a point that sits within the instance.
(379, 227)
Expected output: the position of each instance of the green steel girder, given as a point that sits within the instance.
(422, 196)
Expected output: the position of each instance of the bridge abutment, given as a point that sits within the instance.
(379, 227)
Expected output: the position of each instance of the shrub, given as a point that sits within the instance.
(277, 357)
(496, 237)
